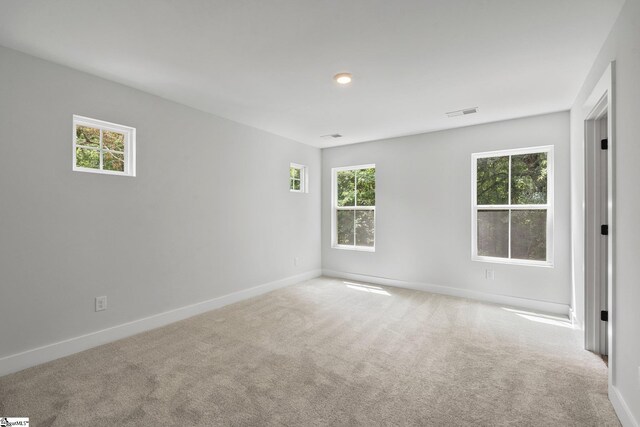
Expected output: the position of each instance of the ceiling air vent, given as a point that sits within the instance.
(462, 112)
(331, 136)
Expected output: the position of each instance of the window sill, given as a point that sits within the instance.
(355, 248)
(519, 262)
(101, 171)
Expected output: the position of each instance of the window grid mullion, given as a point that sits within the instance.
(354, 228)
(355, 203)
(355, 188)
(101, 152)
(514, 207)
(356, 208)
(125, 156)
(509, 192)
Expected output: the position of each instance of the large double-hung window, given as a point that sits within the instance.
(512, 206)
(354, 207)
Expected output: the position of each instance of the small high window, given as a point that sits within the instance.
(298, 178)
(512, 206)
(354, 207)
(102, 147)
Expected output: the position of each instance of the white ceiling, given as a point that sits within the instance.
(270, 63)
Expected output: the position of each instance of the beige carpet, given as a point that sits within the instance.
(327, 353)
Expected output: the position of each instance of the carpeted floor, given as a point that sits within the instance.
(327, 352)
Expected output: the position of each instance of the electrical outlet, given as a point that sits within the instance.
(101, 303)
(296, 261)
(489, 274)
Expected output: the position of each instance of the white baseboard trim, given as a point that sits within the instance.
(47, 353)
(622, 409)
(542, 306)
(574, 319)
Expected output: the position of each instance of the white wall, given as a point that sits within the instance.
(209, 213)
(423, 198)
(623, 46)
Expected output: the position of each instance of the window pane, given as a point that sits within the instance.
(493, 233)
(86, 158)
(113, 161)
(345, 227)
(295, 184)
(346, 188)
(87, 136)
(365, 226)
(294, 173)
(113, 140)
(529, 234)
(493, 180)
(529, 179)
(366, 187)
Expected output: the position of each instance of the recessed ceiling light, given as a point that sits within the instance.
(343, 78)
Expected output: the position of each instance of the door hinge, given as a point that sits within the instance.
(604, 315)
(604, 144)
(604, 229)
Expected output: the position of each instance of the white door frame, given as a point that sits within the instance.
(594, 216)
(601, 102)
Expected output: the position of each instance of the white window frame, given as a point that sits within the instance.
(129, 145)
(510, 207)
(304, 178)
(335, 209)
